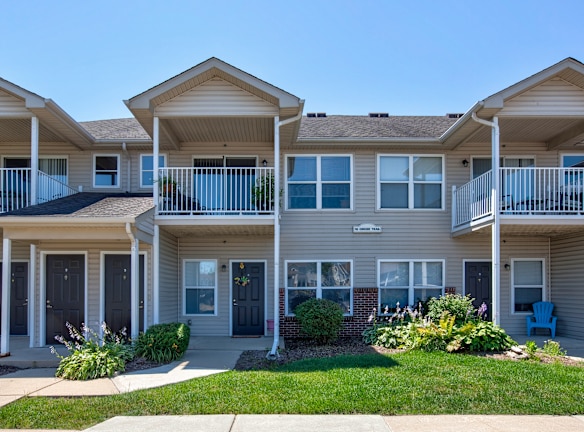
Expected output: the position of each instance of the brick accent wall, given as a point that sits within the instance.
(364, 300)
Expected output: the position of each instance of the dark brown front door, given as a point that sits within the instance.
(478, 284)
(18, 298)
(248, 299)
(65, 294)
(118, 280)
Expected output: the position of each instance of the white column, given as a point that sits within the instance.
(155, 276)
(31, 295)
(496, 227)
(6, 276)
(277, 228)
(155, 153)
(34, 159)
(135, 289)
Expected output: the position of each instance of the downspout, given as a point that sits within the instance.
(273, 354)
(496, 228)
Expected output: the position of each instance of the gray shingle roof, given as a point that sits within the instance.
(126, 128)
(340, 126)
(334, 126)
(89, 204)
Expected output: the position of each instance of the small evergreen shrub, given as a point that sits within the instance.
(163, 343)
(457, 305)
(320, 319)
(91, 357)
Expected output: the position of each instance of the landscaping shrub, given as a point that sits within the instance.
(457, 305)
(408, 329)
(320, 319)
(164, 343)
(91, 357)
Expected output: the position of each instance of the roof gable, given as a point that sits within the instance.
(216, 97)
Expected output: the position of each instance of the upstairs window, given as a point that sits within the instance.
(410, 182)
(106, 171)
(318, 182)
(147, 169)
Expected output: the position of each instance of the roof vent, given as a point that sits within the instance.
(378, 115)
(321, 114)
(454, 115)
(315, 114)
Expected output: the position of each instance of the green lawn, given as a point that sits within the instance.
(407, 383)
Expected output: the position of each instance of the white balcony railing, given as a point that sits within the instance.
(523, 191)
(216, 191)
(15, 190)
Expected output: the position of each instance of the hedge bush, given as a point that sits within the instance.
(163, 343)
(320, 319)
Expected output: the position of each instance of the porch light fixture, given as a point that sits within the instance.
(223, 268)
(507, 266)
(265, 163)
(465, 163)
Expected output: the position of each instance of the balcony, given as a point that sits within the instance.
(15, 191)
(216, 192)
(536, 196)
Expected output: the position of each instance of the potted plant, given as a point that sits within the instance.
(167, 185)
(263, 192)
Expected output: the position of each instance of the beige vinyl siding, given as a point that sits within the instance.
(168, 276)
(567, 276)
(11, 106)
(224, 250)
(216, 97)
(554, 97)
(406, 234)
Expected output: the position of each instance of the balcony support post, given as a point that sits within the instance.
(496, 225)
(34, 159)
(6, 289)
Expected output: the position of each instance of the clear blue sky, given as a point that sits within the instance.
(404, 57)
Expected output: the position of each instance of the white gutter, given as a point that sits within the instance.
(273, 354)
(496, 227)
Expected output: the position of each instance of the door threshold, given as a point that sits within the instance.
(246, 336)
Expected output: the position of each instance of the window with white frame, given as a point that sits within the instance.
(318, 182)
(527, 283)
(106, 171)
(408, 282)
(410, 182)
(147, 169)
(331, 280)
(200, 287)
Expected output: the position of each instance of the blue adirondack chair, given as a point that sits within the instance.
(542, 318)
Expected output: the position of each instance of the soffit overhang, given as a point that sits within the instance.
(18, 106)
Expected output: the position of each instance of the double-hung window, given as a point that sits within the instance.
(318, 182)
(331, 280)
(527, 283)
(106, 171)
(410, 182)
(408, 282)
(147, 169)
(200, 287)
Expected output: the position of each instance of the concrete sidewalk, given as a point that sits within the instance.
(341, 423)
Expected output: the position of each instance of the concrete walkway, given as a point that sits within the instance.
(339, 423)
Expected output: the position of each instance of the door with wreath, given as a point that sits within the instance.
(248, 298)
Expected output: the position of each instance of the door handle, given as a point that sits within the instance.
(49, 306)
(141, 305)
(234, 302)
(25, 302)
